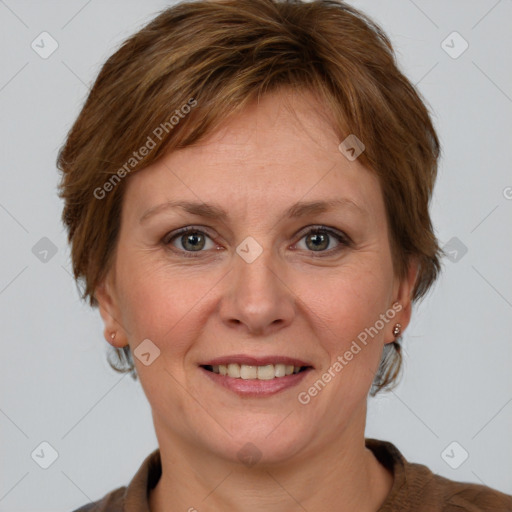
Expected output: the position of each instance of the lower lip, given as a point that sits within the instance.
(256, 387)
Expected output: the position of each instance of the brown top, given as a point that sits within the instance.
(415, 488)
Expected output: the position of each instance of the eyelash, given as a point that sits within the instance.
(343, 239)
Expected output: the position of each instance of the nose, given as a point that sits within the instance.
(258, 299)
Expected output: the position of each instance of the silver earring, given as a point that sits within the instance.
(113, 336)
(397, 329)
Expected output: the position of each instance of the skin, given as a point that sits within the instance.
(290, 301)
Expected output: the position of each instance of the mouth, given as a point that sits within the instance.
(247, 372)
(256, 377)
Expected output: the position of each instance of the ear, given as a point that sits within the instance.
(110, 312)
(403, 296)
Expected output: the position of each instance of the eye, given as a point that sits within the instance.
(319, 239)
(194, 240)
(191, 239)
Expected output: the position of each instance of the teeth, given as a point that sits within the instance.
(248, 372)
(233, 370)
(266, 372)
(244, 371)
(280, 370)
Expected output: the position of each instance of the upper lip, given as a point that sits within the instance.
(255, 361)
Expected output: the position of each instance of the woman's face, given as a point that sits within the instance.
(259, 283)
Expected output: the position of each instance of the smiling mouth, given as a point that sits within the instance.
(252, 372)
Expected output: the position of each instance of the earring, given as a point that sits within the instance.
(113, 336)
(397, 329)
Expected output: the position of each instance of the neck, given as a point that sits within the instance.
(345, 475)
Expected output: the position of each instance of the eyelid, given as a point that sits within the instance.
(181, 231)
(326, 229)
(344, 241)
(168, 239)
(342, 238)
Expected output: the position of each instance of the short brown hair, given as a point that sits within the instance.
(221, 55)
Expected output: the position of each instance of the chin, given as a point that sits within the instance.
(262, 442)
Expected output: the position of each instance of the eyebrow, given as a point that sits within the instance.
(211, 211)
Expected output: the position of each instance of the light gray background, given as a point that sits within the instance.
(55, 382)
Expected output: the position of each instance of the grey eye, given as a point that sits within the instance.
(191, 240)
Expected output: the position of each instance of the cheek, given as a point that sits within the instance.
(345, 310)
(351, 299)
(160, 304)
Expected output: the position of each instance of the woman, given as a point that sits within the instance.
(246, 192)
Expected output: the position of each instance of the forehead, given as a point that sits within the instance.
(277, 150)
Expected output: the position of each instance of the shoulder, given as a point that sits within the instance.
(453, 496)
(111, 502)
(468, 497)
(416, 487)
(133, 496)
